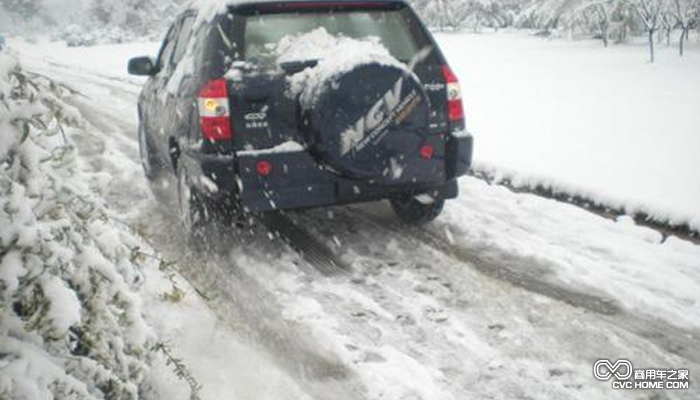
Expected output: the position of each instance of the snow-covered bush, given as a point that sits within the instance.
(70, 319)
(128, 21)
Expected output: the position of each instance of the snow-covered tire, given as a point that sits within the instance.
(412, 210)
(152, 169)
(202, 218)
(148, 158)
(194, 211)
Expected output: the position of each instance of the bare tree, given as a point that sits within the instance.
(435, 12)
(25, 9)
(102, 11)
(456, 13)
(600, 11)
(686, 13)
(668, 23)
(649, 12)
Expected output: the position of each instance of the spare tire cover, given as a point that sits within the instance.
(369, 120)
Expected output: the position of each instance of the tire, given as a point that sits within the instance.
(148, 158)
(204, 220)
(413, 211)
(194, 211)
(153, 169)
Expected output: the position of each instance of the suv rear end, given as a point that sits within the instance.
(378, 129)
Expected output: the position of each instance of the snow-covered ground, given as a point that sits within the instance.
(507, 296)
(603, 123)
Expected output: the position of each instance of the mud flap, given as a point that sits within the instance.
(458, 155)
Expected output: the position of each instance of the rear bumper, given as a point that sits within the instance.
(298, 181)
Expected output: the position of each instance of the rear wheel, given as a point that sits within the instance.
(153, 170)
(148, 157)
(417, 209)
(204, 219)
(194, 210)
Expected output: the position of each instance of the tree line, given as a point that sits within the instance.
(607, 20)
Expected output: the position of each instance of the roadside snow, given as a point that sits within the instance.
(216, 356)
(575, 248)
(70, 318)
(581, 119)
(226, 366)
(109, 60)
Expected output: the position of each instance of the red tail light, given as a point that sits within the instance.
(454, 95)
(214, 113)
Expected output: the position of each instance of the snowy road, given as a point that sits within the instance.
(507, 296)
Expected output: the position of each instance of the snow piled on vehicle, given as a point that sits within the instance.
(207, 10)
(335, 56)
(70, 319)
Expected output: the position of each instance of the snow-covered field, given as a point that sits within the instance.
(507, 296)
(603, 123)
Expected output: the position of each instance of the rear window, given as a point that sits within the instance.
(389, 27)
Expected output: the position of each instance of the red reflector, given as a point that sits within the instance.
(216, 128)
(456, 111)
(427, 152)
(264, 168)
(214, 89)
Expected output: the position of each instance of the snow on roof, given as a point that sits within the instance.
(207, 10)
(223, 4)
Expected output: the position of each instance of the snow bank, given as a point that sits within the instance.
(336, 56)
(574, 248)
(70, 319)
(580, 119)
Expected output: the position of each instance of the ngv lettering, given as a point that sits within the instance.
(377, 113)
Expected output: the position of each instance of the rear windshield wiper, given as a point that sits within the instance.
(293, 67)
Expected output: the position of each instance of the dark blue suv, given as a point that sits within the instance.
(246, 128)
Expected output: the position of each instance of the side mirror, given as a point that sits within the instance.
(142, 66)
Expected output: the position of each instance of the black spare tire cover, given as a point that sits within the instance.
(369, 120)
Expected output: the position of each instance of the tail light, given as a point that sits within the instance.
(214, 113)
(454, 95)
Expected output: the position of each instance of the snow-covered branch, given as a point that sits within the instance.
(70, 319)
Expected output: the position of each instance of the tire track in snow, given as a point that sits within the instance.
(621, 333)
(527, 273)
(249, 308)
(518, 272)
(312, 250)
